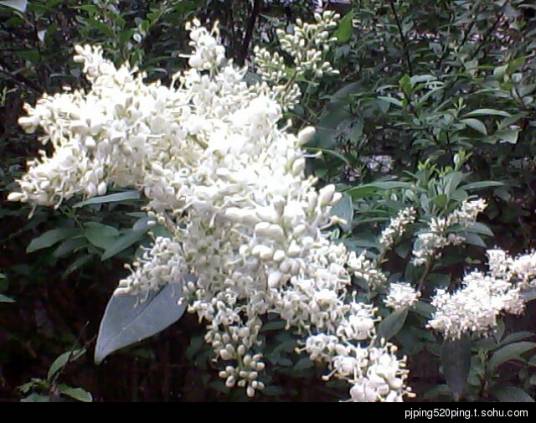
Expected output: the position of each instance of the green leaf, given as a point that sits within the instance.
(528, 294)
(456, 363)
(510, 393)
(50, 238)
(480, 228)
(122, 243)
(391, 100)
(77, 264)
(361, 191)
(330, 153)
(36, 398)
(392, 324)
(68, 246)
(487, 112)
(101, 236)
(344, 209)
(344, 31)
(111, 198)
(424, 309)
(5, 299)
(509, 352)
(19, 5)
(303, 363)
(62, 360)
(476, 125)
(507, 135)
(78, 394)
(474, 239)
(516, 336)
(131, 318)
(481, 185)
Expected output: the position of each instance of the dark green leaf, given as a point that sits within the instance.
(392, 324)
(50, 238)
(509, 352)
(111, 198)
(456, 363)
(131, 318)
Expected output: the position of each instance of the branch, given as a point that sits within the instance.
(402, 37)
(249, 31)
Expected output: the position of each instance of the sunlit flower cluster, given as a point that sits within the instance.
(229, 185)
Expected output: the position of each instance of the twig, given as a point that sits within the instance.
(249, 31)
(403, 38)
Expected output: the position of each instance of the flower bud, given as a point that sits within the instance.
(326, 195)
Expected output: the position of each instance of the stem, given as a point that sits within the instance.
(402, 37)
(249, 31)
(427, 268)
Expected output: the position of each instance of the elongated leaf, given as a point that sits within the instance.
(517, 336)
(345, 210)
(344, 31)
(4, 299)
(391, 100)
(111, 198)
(78, 394)
(511, 394)
(101, 236)
(62, 360)
(329, 152)
(481, 185)
(19, 5)
(50, 238)
(476, 125)
(131, 318)
(392, 324)
(69, 245)
(487, 112)
(529, 294)
(424, 309)
(122, 243)
(509, 352)
(480, 228)
(456, 363)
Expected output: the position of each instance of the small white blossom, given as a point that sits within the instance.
(401, 295)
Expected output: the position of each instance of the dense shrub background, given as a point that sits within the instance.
(444, 88)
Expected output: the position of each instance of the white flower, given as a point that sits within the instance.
(401, 295)
(476, 307)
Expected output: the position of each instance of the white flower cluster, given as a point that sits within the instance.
(401, 295)
(160, 265)
(396, 228)
(307, 46)
(476, 307)
(429, 243)
(367, 269)
(521, 270)
(374, 372)
(229, 185)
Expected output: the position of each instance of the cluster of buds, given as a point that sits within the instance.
(307, 45)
